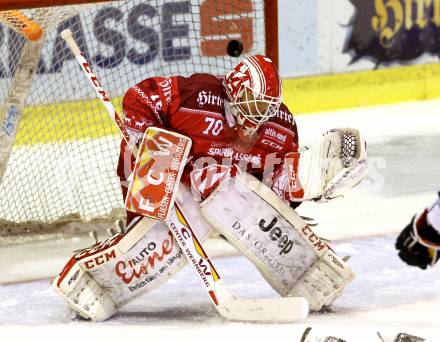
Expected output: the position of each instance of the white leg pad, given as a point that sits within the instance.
(101, 278)
(324, 281)
(84, 295)
(285, 250)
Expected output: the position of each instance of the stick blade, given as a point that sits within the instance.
(289, 309)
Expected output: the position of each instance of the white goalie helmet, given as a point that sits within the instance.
(253, 89)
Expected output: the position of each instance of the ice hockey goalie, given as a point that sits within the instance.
(239, 127)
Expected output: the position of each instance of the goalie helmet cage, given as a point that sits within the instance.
(58, 148)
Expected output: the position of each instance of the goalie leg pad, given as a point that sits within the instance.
(82, 293)
(277, 240)
(324, 281)
(148, 255)
(107, 275)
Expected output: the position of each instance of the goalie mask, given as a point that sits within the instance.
(253, 89)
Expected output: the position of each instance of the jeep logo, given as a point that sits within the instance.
(276, 233)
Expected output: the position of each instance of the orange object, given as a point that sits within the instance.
(156, 175)
(22, 24)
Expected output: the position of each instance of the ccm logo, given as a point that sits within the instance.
(95, 82)
(314, 239)
(100, 259)
(271, 144)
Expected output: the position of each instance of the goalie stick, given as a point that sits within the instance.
(271, 309)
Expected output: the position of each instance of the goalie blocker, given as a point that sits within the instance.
(294, 260)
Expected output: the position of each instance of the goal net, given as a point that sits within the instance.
(58, 148)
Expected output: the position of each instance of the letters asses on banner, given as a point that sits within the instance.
(142, 42)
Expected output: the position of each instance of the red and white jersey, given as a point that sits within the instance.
(195, 107)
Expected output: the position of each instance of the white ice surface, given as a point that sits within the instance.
(387, 296)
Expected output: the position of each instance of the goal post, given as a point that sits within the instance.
(58, 148)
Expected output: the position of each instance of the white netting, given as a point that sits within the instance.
(62, 164)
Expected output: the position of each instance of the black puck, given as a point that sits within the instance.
(235, 48)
